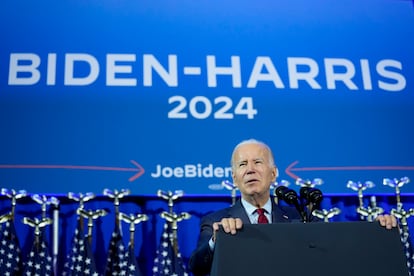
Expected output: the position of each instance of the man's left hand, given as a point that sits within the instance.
(388, 221)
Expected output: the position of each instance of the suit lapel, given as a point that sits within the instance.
(238, 211)
(278, 214)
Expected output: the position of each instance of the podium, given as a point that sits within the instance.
(307, 249)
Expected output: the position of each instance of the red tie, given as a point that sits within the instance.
(262, 217)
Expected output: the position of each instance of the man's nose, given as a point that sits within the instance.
(250, 168)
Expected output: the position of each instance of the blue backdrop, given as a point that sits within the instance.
(149, 95)
(154, 95)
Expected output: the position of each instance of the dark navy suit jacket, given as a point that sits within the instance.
(202, 257)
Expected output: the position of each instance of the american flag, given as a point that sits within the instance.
(121, 260)
(39, 261)
(131, 267)
(10, 252)
(168, 259)
(408, 248)
(80, 260)
(116, 254)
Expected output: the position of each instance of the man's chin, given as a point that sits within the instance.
(253, 193)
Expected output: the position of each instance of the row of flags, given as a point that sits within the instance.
(38, 261)
(80, 261)
(371, 211)
(121, 259)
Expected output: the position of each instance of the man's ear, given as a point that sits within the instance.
(276, 173)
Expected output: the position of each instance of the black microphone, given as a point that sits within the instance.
(280, 192)
(290, 197)
(311, 197)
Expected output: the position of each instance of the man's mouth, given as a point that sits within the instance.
(251, 181)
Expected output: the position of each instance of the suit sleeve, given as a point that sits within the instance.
(202, 257)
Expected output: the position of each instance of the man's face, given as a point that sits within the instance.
(252, 172)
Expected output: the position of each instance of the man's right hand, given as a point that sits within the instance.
(230, 225)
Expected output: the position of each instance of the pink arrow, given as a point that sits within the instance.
(291, 168)
(138, 168)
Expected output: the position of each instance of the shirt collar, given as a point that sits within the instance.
(250, 209)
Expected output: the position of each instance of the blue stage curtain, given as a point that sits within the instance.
(148, 233)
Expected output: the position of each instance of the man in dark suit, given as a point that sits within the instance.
(253, 172)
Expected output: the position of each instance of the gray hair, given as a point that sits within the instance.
(253, 141)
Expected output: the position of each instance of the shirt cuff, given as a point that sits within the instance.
(211, 244)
